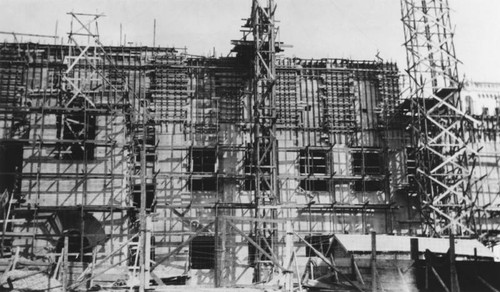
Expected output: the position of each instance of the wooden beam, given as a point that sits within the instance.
(439, 279)
(246, 219)
(183, 244)
(65, 268)
(324, 259)
(487, 284)
(297, 271)
(356, 270)
(373, 261)
(455, 286)
(82, 275)
(79, 282)
(30, 34)
(257, 246)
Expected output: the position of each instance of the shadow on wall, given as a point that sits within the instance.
(84, 234)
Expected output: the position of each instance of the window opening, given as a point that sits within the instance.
(201, 252)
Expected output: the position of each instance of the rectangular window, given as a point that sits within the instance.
(368, 186)
(468, 104)
(150, 195)
(369, 163)
(79, 127)
(249, 183)
(320, 243)
(314, 185)
(411, 163)
(312, 163)
(252, 250)
(203, 160)
(150, 153)
(11, 167)
(202, 252)
(203, 184)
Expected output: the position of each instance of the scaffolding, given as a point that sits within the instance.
(445, 158)
(227, 171)
(264, 150)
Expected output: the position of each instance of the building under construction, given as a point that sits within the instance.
(145, 166)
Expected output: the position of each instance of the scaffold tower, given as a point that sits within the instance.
(444, 157)
(264, 129)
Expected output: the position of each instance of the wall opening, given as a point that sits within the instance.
(150, 196)
(252, 250)
(313, 163)
(11, 157)
(368, 186)
(320, 243)
(84, 232)
(249, 167)
(369, 163)
(204, 184)
(78, 134)
(76, 244)
(249, 184)
(203, 161)
(202, 252)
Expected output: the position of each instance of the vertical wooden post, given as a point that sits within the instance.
(147, 251)
(374, 261)
(65, 269)
(92, 267)
(299, 279)
(427, 272)
(223, 249)
(454, 285)
(217, 255)
(353, 269)
(414, 248)
(55, 34)
(288, 255)
(154, 33)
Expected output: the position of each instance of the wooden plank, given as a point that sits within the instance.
(58, 267)
(487, 284)
(246, 219)
(157, 279)
(324, 259)
(78, 282)
(257, 246)
(65, 265)
(439, 279)
(297, 271)
(178, 248)
(12, 264)
(374, 261)
(358, 273)
(82, 275)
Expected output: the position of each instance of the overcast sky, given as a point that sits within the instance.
(356, 29)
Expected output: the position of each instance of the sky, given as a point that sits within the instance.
(355, 29)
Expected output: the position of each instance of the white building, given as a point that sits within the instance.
(480, 98)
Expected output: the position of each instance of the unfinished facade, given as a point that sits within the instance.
(146, 155)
